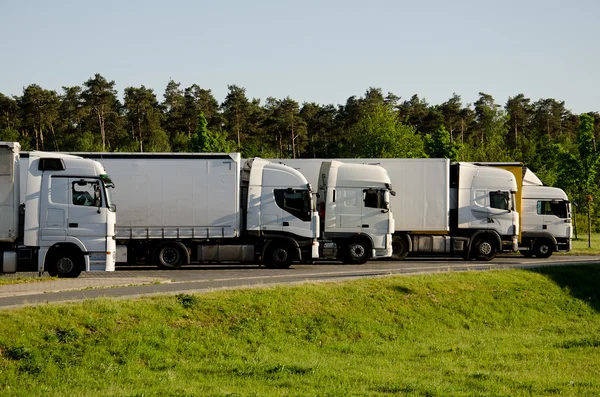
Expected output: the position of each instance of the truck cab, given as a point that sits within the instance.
(355, 211)
(65, 215)
(546, 214)
(280, 206)
(486, 209)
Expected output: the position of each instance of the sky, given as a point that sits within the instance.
(312, 51)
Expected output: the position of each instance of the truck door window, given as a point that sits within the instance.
(296, 202)
(499, 200)
(375, 198)
(558, 208)
(87, 193)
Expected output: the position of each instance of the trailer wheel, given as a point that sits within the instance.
(64, 264)
(357, 252)
(279, 256)
(170, 256)
(542, 249)
(484, 249)
(399, 248)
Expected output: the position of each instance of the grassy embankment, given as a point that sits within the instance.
(508, 332)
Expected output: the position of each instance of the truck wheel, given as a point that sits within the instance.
(357, 252)
(484, 249)
(542, 249)
(279, 256)
(399, 248)
(170, 256)
(65, 265)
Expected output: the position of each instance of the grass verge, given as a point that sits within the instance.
(496, 333)
(580, 245)
(13, 279)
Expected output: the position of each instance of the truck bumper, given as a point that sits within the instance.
(315, 249)
(382, 253)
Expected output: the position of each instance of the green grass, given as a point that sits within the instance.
(580, 245)
(6, 279)
(495, 333)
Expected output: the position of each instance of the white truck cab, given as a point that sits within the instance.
(354, 205)
(62, 207)
(546, 214)
(486, 207)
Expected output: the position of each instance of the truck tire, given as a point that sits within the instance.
(170, 256)
(399, 248)
(357, 252)
(279, 256)
(64, 264)
(484, 249)
(542, 249)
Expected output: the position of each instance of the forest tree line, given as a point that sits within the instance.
(558, 145)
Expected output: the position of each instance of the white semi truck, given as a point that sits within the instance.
(182, 208)
(56, 213)
(545, 214)
(444, 208)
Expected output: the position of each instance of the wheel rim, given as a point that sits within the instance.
(485, 248)
(280, 255)
(357, 251)
(544, 249)
(170, 256)
(64, 265)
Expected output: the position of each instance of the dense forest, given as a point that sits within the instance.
(555, 143)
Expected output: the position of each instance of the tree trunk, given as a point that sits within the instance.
(293, 141)
(139, 120)
(54, 138)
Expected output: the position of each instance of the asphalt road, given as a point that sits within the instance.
(131, 282)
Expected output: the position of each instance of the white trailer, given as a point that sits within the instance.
(442, 207)
(545, 214)
(56, 213)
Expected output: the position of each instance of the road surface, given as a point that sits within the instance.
(131, 282)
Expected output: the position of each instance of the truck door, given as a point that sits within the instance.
(554, 215)
(375, 216)
(87, 218)
(295, 207)
(54, 209)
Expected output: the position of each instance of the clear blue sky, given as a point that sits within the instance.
(315, 51)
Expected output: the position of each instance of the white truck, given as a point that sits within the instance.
(444, 208)
(182, 208)
(56, 213)
(545, 214)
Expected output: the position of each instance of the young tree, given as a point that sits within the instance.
(204, 141)
(439, 145)
(379, 134)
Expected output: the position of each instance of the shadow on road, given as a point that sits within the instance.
(583, 282)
